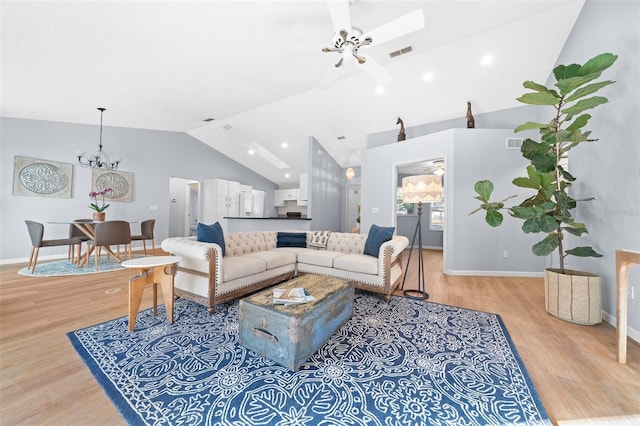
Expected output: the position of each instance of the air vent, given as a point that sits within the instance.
(227, 126)
(340, 138)
(402, 51)
(514, 143)
(208, 119)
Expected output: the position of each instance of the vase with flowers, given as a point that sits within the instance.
(99, 214)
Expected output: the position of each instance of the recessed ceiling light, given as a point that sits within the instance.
(287, 175)
(487, 60)
(427, 76)
(284, 145)
(380, 90)
(251, 152)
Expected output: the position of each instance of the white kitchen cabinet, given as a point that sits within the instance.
(280, 196)
(303, 193)
(220, 198)
(246, 201)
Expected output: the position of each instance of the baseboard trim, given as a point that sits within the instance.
(536, 274)
(632, 333)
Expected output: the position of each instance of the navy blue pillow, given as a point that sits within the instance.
(378, 235)
(211, 234)
(291, 239)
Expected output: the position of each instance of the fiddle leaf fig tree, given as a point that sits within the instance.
(548, 211)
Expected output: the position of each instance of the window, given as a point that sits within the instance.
(436, 219)
(403, 208)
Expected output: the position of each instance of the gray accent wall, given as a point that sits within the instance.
(609, 169)
(326, 189)
(152, 156)
(470, 246)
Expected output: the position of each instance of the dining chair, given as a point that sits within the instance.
(75, 232)
(36, 233)
(107, 234)
(147, 234)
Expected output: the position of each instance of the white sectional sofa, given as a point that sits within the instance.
(253, 261)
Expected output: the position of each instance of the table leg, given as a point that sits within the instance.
(624, 260)
(165, 274)
(155, 296)
(136, 288)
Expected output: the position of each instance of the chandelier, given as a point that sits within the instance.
(100, 159)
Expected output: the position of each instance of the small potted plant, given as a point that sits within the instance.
(570, 295)
(99, 214)
(358, 217)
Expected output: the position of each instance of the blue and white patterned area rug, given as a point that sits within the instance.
(61, 268)
(405, 362)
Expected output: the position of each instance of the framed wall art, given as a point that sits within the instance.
(120, 182)
(41, 178)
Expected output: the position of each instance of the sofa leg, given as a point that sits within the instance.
(211, 310)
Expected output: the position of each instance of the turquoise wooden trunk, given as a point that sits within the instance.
(289, 335)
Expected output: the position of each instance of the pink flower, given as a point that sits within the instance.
(94, 195)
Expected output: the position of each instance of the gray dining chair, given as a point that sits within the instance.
(36, 233)
(147, 234)
(107, 234)
(75, 232)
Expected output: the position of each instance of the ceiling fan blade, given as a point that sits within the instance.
(397, 28)
(376, 71)
(332, 74)
(339, 11)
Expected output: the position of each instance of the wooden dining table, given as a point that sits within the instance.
(88, 229)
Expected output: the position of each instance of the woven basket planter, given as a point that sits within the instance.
(573, 296)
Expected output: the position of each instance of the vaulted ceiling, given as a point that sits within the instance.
(256, 68)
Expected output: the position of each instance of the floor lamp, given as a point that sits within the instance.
(419, 189)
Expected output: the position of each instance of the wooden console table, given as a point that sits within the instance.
(153, 270)
(624, 259)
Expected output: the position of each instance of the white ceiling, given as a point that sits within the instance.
(257, 66)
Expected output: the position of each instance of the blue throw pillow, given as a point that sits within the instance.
(291, 239)
(211, 234)
(378, 235)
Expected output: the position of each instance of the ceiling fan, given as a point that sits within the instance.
(347, 40)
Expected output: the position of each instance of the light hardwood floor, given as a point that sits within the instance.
(44, 381)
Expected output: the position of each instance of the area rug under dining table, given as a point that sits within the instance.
(399, 362)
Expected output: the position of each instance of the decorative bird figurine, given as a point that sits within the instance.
(471, 122)
(401, 135)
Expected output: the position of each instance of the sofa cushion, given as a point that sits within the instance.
(241, 243)
(211, 234)
(274, 258)
(357, 263)
(378, 235)
(319, 239)
(234, 267)
(319, 257)
(291, 239)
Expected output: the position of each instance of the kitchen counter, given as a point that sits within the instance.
(270, 218)
(280, 223)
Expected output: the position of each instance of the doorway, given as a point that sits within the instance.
(184, 205)
(353, 203)
(432, 217)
